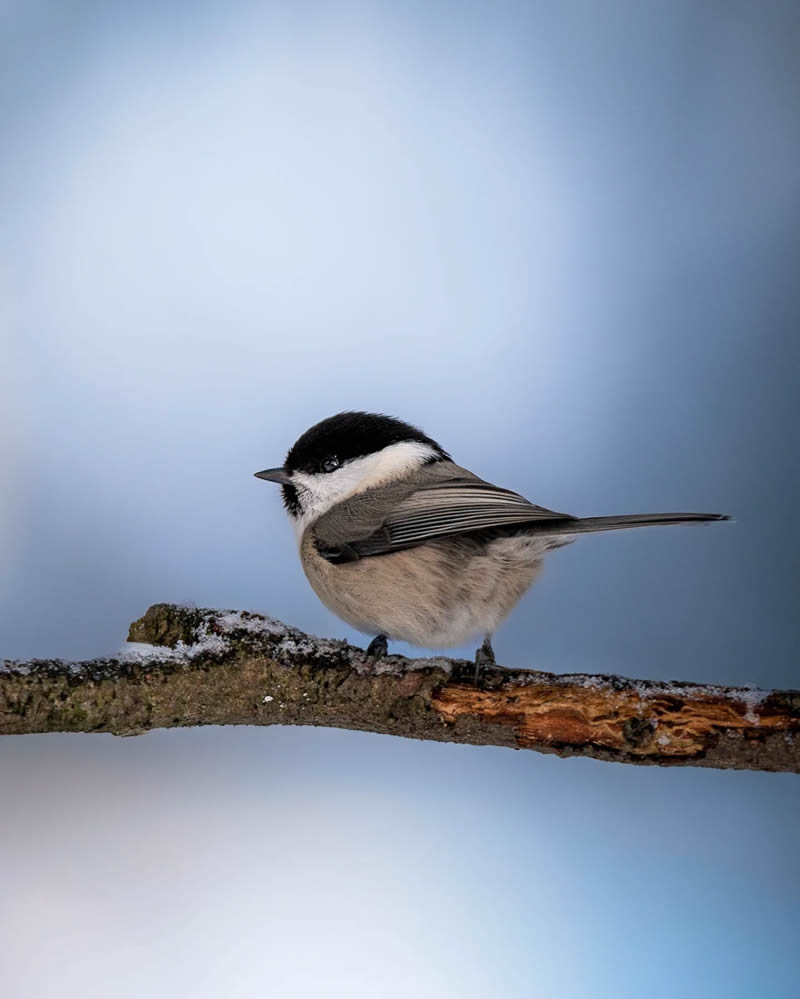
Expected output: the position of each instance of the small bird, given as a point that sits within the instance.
(402, 543)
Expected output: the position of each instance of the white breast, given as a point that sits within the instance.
(437, 595)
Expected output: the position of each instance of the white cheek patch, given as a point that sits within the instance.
(319, 492)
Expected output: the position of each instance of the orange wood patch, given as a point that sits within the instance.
(646, 724)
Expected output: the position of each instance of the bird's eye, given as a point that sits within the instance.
(330, 464)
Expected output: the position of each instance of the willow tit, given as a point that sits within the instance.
(402, 543)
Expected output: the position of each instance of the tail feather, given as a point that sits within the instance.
(585, 525)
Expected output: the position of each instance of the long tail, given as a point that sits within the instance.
(583, 525)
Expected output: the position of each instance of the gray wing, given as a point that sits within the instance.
(441, 509)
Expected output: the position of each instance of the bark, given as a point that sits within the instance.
(206, 667)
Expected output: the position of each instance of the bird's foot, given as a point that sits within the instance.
(484, 656)
(378, 647)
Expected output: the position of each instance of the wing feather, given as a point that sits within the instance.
(442, 509)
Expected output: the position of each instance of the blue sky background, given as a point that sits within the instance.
(564, 240)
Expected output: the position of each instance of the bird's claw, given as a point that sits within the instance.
(378, 647)
(484, 656)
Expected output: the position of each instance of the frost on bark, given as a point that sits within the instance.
(207, 667)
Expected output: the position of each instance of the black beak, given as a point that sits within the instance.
(274, 475)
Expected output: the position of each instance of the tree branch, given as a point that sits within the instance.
(206, 667)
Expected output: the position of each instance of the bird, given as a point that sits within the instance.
(402, 543)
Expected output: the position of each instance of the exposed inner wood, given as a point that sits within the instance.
(624, 720)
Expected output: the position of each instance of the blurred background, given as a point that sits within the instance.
(564, 240)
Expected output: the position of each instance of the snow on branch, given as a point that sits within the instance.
(183, 666)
